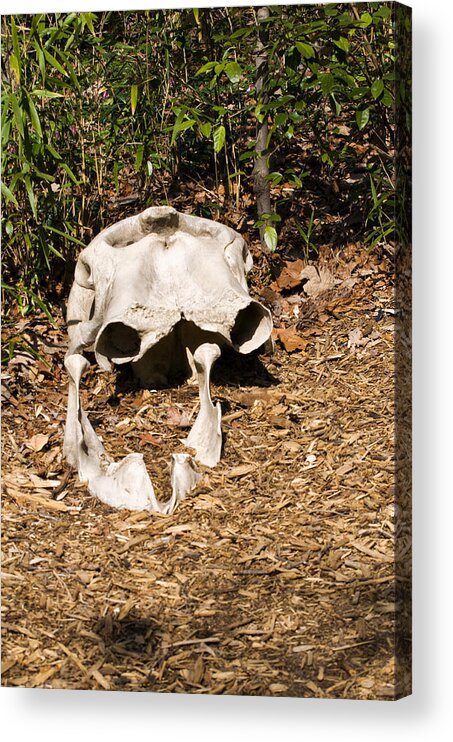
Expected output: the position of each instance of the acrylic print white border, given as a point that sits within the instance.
(73, 715)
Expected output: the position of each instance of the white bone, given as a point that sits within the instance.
(205, 436)
(125, 484)
(164, 291)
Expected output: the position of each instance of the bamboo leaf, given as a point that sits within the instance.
(88, 18)
(18, 117)
(41, 60)
(134, 98)
(55, 63)
(15, 67)
(139, 157)
(31, 195)
(68, 170)
(9, 195)
(34, 116)
(39, 93)
(206, 67)
(65, 235)
(16, 46)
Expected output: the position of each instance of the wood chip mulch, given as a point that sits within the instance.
(274, 578)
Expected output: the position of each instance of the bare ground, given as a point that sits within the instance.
(274, 577)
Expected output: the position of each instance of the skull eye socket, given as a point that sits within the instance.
(118, 342)
(252, 328)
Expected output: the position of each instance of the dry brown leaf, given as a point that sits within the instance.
(177, 418)
(291, 275)
(317, 280)
(290, 339)
(37, 442)
(155, 440)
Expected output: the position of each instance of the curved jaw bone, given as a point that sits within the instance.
(125, 484)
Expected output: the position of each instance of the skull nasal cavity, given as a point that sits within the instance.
(118, 341)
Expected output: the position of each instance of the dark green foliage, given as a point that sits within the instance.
(95, 101)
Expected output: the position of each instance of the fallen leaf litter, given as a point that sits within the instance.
(275, 577)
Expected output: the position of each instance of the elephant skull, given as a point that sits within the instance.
(165, 292)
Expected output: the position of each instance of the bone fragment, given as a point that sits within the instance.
(184, 477)
(206, 436)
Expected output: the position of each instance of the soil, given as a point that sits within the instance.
(276, 576)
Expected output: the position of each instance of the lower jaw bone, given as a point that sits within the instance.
(126, 484)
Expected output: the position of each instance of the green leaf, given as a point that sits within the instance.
(270, 238)
(275, 179)
(305, 49)
(18, 117)
(377, 88)
(9, 195)
(88, 18)
(219, 138)
(34, 116)
(38, 93)
(387, 98)
(362, 118)
(65, 235)
(16, 47)
(326, 81)
(206, 129)
(342, 43)
(139, 157)
(233, 71)
(53, 152)
(68, 170)
(41, 60)
(336, 104)
(383, 12)
(31, 195)
(181, 124)
(206, 67)
(134, 98)
(55, 63)
(188, 124)
(281, 119)
(365, 20)
(15, 66)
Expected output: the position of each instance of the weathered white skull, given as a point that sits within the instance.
(164, 291)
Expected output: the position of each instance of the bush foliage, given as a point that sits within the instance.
(95, 101)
